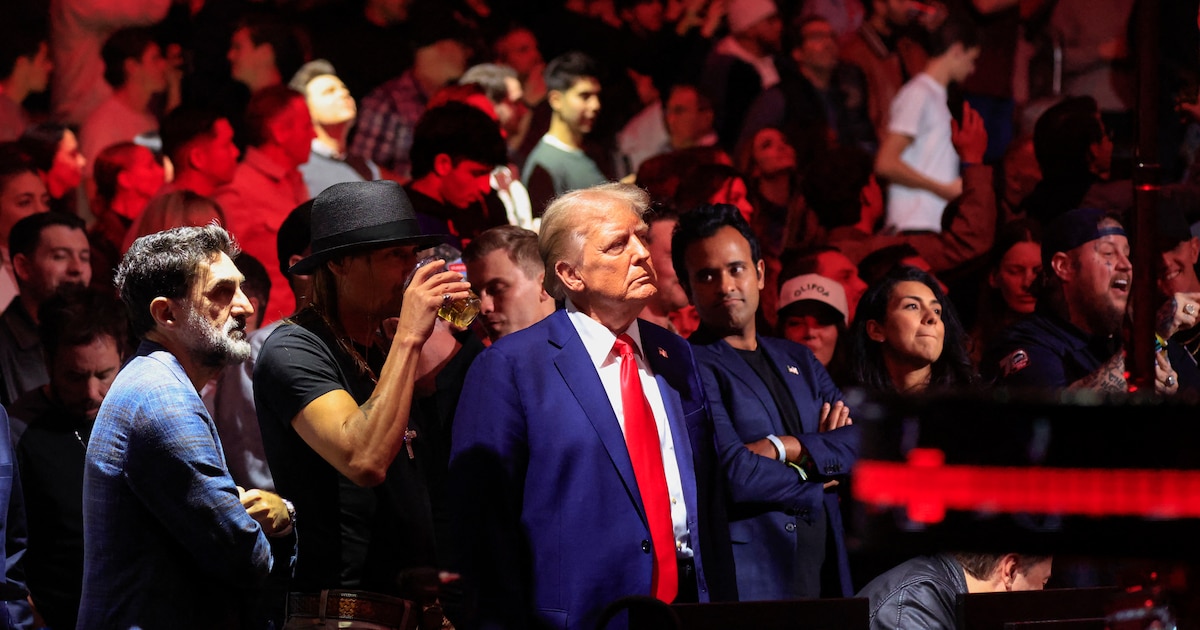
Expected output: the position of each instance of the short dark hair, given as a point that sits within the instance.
(492, 78)
(460, 131)
(879, 263)
(164, 264)
(1064, 135)
(256, 283)
(699, 185)
(285, 40)
(109, 164)
(262, 109)
(955, 30)
(26, 234)
(17, 42)
(982, 565)
(40, 142)
(308, 72)
(794, 37)
(953, 367)
(13, 162)
(127, 43)
(702, 223)
(183, 126)
(566, 69)
(76, 315)
(520, 244)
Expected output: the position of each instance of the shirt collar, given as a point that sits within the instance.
(320, 149)
(260, 162)
(598, 340)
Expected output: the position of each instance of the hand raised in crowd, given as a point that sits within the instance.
(431, 287)
(1181, 312)
(970, 138)
(268, 510)
(1166, 379)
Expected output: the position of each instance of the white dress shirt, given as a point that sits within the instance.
(598, 341)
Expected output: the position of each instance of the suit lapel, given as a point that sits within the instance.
(672, 369)
(796, 380)
(744, 373)
(579, 375)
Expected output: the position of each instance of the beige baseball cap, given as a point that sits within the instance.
(812, 287)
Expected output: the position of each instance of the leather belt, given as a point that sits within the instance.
(354, 606)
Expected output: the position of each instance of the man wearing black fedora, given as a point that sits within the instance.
(333, 393)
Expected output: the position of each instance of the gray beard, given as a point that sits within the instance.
(212, 347)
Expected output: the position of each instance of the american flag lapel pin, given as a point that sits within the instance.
(793, 370)
(662, 353)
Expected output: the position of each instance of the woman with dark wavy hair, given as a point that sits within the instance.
(907, 338)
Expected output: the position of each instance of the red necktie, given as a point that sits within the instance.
(641, 438)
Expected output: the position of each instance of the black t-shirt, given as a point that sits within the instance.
(811, 543)
(349, 537)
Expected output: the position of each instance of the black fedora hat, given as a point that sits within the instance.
(361, 215)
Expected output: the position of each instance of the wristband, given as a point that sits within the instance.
(779, 448)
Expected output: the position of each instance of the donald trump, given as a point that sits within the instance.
(583, 458)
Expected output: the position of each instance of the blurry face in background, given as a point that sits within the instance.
(24, 194)
(836, 266)
(1021, 173)
(329, 102)
(249, 63)
(1014, 277)
(734, 193)
(870, 200)
(81, 375)
(38, 69)
(686, 118)
(1177, 268)
(519, 51)
(219, 154)
(510, 110)
(293, 131)
(145, 175)
(67, 170)
(807, 329)
(150, 70)
(819, 49)
(896, 12)
(645, 16)
(671, 295)
(465, 183)
(772, 154)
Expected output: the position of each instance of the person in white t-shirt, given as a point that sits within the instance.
(916, 155)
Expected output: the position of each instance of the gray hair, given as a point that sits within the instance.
(164, 264)
(570, 217)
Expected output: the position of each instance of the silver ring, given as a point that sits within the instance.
(445, 298)
(1170, 380)
(1189, 308)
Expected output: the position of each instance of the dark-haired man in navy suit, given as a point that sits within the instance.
(583, 456)
(783, 433)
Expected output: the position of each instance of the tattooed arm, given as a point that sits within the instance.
(1109, 377)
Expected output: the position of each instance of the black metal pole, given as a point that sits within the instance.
(1146, 180)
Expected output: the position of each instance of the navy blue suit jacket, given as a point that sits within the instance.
(546, 500)
(768, 495)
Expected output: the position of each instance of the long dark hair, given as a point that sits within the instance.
(867, 366)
